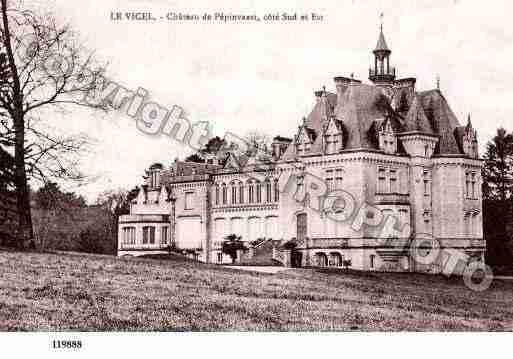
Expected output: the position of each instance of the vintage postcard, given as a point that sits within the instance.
(307, 172)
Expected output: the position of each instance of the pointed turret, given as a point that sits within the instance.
(469, 139)
(382, 44)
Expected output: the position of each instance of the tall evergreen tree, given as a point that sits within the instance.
(498, 167)
(497, 199)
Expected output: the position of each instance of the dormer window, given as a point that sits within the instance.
(333, 137)
(304, 140)
(387, 138)
(303, 148)
(469, 141)
(470, 144)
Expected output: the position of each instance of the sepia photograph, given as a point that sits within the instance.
(301, 171)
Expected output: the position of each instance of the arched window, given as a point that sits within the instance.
(225, 194)
(217, 194)
(258, 192)
(276, 191)
(321, 259)
(335, 259)
(268, 191)
(234, 193)
(241, 192)
(251, 192)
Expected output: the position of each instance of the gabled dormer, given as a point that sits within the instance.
(163, 196)
(333, 136)
(469, 141)
(304, 139)
(141, 196)
(231, 163)
(387, 138)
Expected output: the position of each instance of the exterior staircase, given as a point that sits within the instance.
(261, 254)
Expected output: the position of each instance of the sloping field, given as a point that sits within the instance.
(89, 292)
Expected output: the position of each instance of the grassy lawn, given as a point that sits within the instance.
(92, 292)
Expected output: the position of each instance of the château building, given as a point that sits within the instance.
(399, 155)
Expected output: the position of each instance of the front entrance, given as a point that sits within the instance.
(295, 258)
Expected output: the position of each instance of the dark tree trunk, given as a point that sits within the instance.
(25, 233)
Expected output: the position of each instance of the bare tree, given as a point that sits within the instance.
(43, 68)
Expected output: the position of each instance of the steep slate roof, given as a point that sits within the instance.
(316, 116)
(442, 120)
(362, 108)
(416, 119)
(358, 108)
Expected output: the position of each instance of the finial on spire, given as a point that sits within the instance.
(324, 88)
(381, 16)
(382, 44)
(469, 123)
(438, 82)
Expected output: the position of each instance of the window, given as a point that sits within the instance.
(220, 257)
(217, 194)
(225, 195)
(403, 217)
(393, 181)
(268, 191)
(338, 178)
(467, 185)
(189, 197)
(129, 235)
(163, 237)
(335, 259)
(332, 143)
(258, 192)
(427, 183)
(427, 227)
(473, 184)
(321, 259)
(382, 180)
(148, 235)
(276, 191)
(241, 193)
(234, 194)
(300, 181)
(251, 192)
(329, 180)
(372, 260)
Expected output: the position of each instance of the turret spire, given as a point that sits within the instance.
(381, 44)
(382, 73)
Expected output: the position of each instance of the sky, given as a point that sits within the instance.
(242, 77)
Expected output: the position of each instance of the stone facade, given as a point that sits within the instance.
(373, 168)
